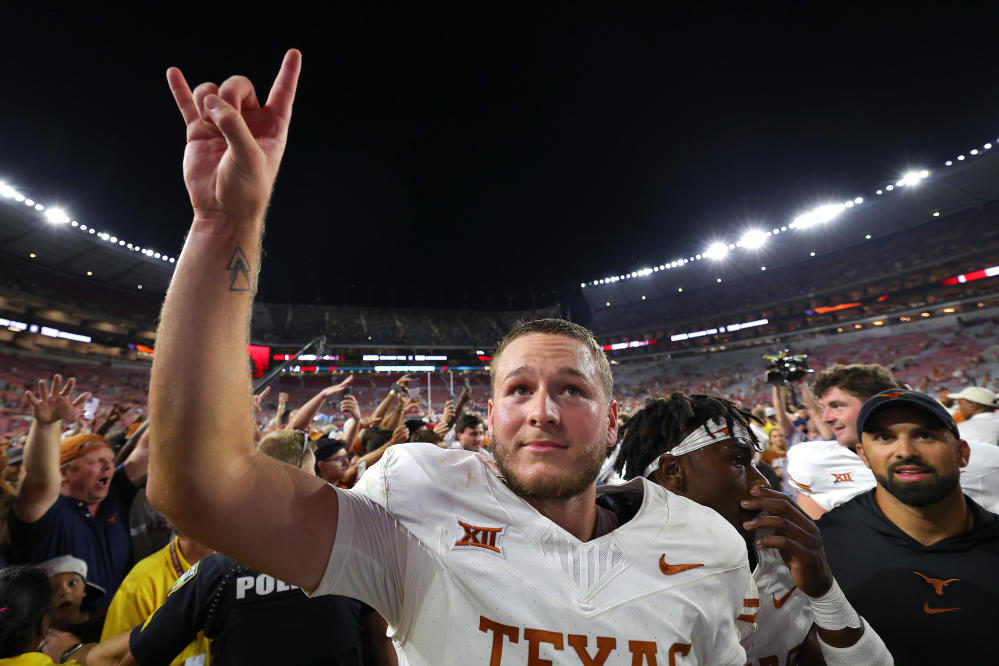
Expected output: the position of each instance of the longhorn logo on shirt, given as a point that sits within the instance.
(113, 519)
(938, 587)
(845, 477)
(479, 537)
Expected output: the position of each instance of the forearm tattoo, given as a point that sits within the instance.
(239, 271)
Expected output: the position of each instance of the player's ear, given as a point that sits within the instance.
(612, 425)
(861, 453)
(964, 452)
(670, 474)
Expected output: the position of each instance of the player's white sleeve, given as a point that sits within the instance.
(373, 556)
(800, 470)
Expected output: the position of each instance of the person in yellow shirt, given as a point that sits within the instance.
(146, 587)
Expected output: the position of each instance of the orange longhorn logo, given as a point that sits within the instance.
(937, 584)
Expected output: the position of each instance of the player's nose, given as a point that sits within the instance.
(543, 409)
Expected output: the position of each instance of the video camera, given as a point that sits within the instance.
(786, 367)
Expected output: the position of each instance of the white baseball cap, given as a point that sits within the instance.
(70, 564)
(976, 394)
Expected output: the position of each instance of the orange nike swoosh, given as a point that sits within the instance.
(934, 611)
(670, 569)
(780, 602)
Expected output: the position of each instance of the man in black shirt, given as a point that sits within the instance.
(915, 556)
(252, 618)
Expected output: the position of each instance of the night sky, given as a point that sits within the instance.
(467, 156)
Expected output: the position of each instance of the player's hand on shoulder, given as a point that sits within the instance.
(794, 535)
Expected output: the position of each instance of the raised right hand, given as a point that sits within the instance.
(234, 146)
(57, 404)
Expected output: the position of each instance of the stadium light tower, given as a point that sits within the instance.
(818, 215)
(753, 239)
(716, 251)
(56, 216)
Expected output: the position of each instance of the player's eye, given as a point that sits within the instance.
(520, 389)
(573, 390)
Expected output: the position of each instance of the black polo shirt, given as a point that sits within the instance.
(936, 604)
(101, 540)
(249, 618)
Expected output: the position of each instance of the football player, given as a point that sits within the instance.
(701, 447)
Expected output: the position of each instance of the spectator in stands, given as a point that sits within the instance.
(470, 432)
(301, 418)
(146, 587)
(235, 605)
(72, 595)
(13, 472)
(978, 407)
(700, 447)
(26, 636)
(916, 557)
(72, 500)
(827, 473)
(775, 454)
(332, 460)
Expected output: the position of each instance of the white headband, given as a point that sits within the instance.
(710, 433)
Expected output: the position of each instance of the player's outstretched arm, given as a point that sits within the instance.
(205, 474)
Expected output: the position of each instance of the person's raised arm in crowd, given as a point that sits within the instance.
(352, 419)
(280, 414)
(42, 480)
(399, 435)
(814, 409)
(779, 398)
(446, 420)
(113, 415)
(206, 475)
(398, 395)
(302, 418)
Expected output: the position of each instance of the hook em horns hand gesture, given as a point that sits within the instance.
(234, 146)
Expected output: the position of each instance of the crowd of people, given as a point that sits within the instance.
(849, 519)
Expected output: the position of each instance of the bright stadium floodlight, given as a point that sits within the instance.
(56, 216)
(819, 215)
(753, 239)
(913, 177)
(716, 251)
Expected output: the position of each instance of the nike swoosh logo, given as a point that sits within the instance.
(934, 611)
(780, 602)
(671, 569)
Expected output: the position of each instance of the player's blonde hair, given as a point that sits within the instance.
(558, 327)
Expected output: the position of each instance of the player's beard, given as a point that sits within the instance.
(918, 493)
(571, 483)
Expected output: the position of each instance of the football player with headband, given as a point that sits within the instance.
(701, 447)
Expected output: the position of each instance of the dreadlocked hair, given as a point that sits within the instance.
(663, 424)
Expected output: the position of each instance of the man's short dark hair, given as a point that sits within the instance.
(859, 380)
(374, 438)
(468, 420)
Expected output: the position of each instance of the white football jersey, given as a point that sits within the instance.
(785, 616)
(980, 478)
(827, 472)
(467, 572)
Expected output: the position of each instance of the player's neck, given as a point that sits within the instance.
(576, 515)
(927, 524)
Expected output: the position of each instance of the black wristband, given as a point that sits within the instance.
(68, 653)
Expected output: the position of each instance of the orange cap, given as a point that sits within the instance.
(79, 445)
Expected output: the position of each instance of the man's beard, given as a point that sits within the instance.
(569, 484)
(918, 493)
